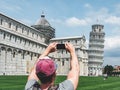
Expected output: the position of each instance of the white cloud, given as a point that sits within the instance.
(4, 5)
(116, 30)
(104, 16)
(73, 21)
(113, 20)
(57, 21)
(99, 14)
(117, 8)
(112, 42)
(87, 5)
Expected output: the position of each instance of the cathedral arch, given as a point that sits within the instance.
(3, 48)
(9, 49)
(14, 53)
(19, 51)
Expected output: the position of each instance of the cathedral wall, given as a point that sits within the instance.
(20, 46)
(20, 28)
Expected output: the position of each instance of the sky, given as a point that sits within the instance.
(72, 18)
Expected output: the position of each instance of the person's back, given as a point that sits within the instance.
(45, 71)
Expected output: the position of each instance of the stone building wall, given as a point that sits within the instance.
(20, 46)
(62, 57)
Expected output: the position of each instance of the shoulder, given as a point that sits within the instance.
(66, 85)
(31, 84)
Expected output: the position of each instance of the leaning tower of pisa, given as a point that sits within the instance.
(96, 50)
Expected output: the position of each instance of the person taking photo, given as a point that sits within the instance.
(44, 71)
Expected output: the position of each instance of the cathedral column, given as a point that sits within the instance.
(32, 61)
(23, 62)
(58, 65)
(66, 66)
(27, 59)
(0, 61)
(19, 62)
(86, 69)
(3, 61)
(81, 66)
(9, 61)
(13, 61)
(35, 57)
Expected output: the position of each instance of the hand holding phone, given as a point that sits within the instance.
(60, 46)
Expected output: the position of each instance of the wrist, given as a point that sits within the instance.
(72, 52)
(46, 52)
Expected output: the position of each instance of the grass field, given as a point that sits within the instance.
(85, 83)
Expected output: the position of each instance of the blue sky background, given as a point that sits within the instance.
(72, 18)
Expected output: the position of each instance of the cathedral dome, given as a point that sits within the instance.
(43, 21)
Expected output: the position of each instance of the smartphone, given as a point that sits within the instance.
(60, 46)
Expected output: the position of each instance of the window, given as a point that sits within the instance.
(13, 54)
(15, 39)
(97, 27)
(25, 42)
(84, 51)
(16, 28)
(58, 59)
(62, 51)
(28, 32)
(22, 30)
(32, 34)
(20, 40)
(66, 51)
(76, 41)
(93, 36)
(99, 30)
(23, 56)
(36, 45)
(4, 36)
(32, 44)
(31, 56)
(37, 36)
(99, 36)
(63, 62)
(10, 37)
(29, 43)
(9, 25)
(1, 21)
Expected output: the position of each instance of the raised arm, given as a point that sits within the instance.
(49, 49)
(73, 74)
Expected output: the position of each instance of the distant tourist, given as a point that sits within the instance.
(45, 71)
(105, 76)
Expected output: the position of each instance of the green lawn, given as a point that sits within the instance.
(85, 83)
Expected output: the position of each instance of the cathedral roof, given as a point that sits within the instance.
(43, 21)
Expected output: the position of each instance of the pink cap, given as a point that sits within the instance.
(46, 66)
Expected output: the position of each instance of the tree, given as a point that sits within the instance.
(108, 70)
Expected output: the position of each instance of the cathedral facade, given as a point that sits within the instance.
(21, 45)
